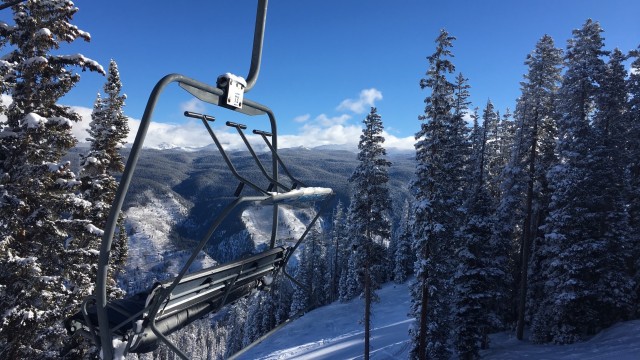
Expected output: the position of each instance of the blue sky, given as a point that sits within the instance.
(321, 54)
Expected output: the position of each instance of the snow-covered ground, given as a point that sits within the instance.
(619, 342)
(151, 256)
(334, 332)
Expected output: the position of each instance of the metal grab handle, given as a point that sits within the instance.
(258, 40)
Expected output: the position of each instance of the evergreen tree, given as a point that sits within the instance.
(339, 251)
(633, 166)
(108, 131)
(534, 155)
(441, 148)
(349, 286)
(506, 138)
(301, 299)
(491, 161)
(481, 269)
(461, 97)
(581, 286)
(403, 257)
(475, 279)
(312, 269)
(41, 279)
(476, 137)
(369, 221)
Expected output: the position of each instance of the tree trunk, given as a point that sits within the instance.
(422, 335)
(367, 308)
(526, 234)
(334, 287)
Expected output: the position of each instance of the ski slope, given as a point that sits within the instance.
(334, 332)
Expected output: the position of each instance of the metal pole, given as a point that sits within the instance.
(10, 4)
(258, 40)
(109, 231)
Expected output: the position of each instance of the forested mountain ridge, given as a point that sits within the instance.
(201, 182)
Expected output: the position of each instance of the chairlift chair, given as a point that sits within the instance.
(140, 323)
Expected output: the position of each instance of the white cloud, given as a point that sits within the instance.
(189, 134)
(468, 119)
(321, 130)
(324, 130)
(393, 142)
(79, 129)
(367, 98)
(313, 136)
(325, 121)
(302, 118)
(193, 105)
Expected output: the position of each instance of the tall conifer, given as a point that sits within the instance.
(370, 225)
(108, 132)
(441, 148)
(41, 282)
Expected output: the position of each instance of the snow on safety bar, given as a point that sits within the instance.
(233, 86)
(299, 195)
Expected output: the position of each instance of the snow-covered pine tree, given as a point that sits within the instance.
(369, 222)
(633, 167)
(460, 110)
(506, 136)
(441, 148)
(491, 156)
(301, 299)
(404, 258)
(533, 155)
(340, 249)
(475, 135)
(237, 317)
(253, 324)
(348, 286)
(475, 279)
(311, 275)
(108, 132)
(611, 227)
(40, 284)
(462, 94)
(319, 269)
(481, 279)
(578, 281)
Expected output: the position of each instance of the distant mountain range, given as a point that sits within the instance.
(201, 183)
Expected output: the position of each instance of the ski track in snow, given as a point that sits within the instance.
(334, 332)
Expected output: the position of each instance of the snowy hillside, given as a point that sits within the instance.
(292, 222)
(151, 256)
(334, 332)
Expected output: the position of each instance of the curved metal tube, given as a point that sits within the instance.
(258, 41)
